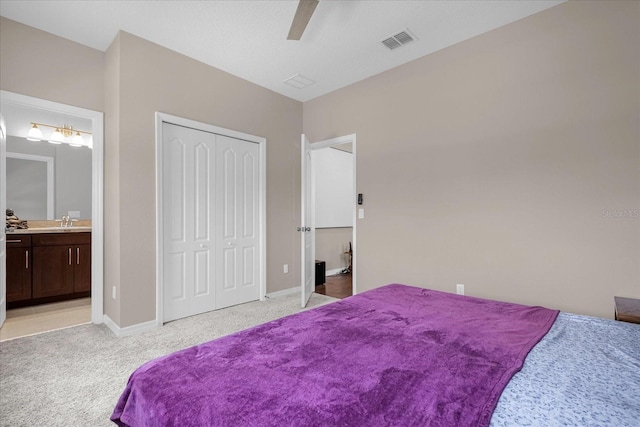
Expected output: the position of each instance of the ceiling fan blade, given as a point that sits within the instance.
(301, 18)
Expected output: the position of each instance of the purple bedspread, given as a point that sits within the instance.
(392, 356)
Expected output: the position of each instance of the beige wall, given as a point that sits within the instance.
(500, 158)
(130, 82)
(41, 65)
(494, 162)
(152, 78)
(112, 207)
(331, 245)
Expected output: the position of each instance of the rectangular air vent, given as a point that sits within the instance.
(299, 81)
(400, 39)
(391, 43)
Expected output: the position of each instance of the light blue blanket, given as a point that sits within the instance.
(584, 372)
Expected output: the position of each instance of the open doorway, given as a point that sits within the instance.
(331, 217)
(334, 200)
(72, 190)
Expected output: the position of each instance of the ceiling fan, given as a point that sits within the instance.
(301, 18)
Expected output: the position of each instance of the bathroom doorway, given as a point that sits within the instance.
(77, 195)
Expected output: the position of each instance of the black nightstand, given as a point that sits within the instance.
(320, 272)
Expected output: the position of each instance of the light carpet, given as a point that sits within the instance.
(74, 376)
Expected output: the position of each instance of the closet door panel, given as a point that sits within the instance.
(238, 174)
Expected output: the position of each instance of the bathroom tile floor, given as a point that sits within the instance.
(44, 318)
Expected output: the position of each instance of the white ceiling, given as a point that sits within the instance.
(340, 46)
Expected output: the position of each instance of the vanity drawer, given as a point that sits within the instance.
(19, 263)
(55, 239)
(18, 241)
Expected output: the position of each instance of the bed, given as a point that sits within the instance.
(399, 356)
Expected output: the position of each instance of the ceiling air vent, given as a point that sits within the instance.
(299, 81)
(400, 39)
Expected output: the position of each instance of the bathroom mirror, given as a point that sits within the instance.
(33, 177)
(45, 181)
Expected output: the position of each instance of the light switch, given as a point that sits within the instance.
(360, 213)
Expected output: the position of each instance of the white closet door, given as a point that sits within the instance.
(237, 227)
(189, 221)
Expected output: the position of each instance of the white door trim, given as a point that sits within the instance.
(97, 166)
(3, 239)
(332, 143)
(262, 143)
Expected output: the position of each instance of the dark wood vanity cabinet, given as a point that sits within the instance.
(48, 267)
(61, 264)
(19, 266)
(82, 271)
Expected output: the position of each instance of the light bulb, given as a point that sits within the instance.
(77, 140)
(35, 134)
(56, 137)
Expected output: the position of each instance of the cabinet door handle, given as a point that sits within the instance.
(26, 259)
(69, 256)
(14, 241)
(78, 256)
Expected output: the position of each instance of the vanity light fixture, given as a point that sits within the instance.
(56, 137)
(60, 134)
(35, 134)
(77, 140)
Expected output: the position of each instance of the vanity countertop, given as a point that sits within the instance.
(42, 230)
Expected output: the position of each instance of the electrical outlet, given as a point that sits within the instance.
(285, 268)
(113, 292)
(460, 289)
(360, 213)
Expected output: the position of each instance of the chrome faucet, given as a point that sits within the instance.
(66, 221)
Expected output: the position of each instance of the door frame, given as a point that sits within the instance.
(332, 142)
(205, 127)
(97, 186)
(3, 239)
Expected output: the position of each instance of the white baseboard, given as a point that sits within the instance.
(296, 289)
(335, 271)
(284, 292)
(128, 330)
